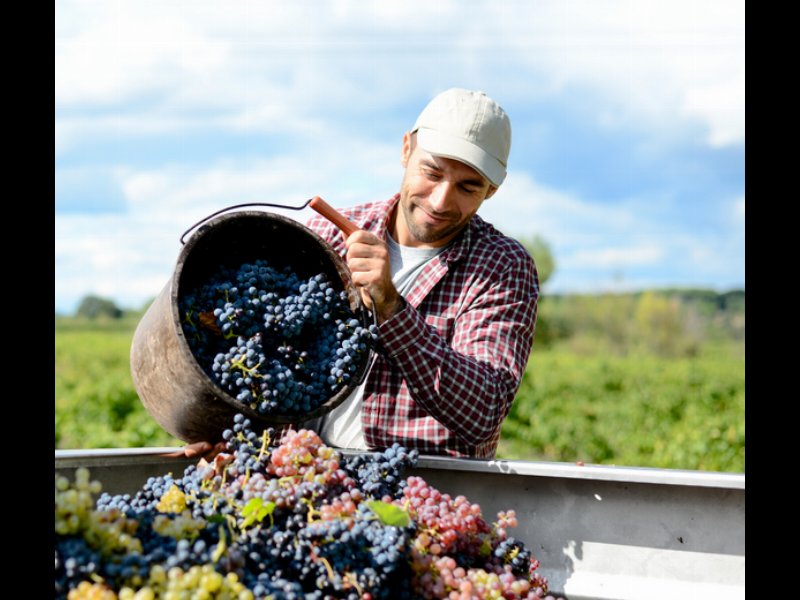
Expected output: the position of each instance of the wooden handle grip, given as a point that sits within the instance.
(333, 215)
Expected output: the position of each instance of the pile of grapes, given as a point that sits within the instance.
(278, 344)
(295, 520)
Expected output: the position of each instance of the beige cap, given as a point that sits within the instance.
(469, 127)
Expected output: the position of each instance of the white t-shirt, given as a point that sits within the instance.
(342, 426)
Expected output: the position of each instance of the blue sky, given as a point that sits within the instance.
(627, 146)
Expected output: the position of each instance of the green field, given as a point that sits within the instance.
(96, 404)
(582, 399)
(635, 410)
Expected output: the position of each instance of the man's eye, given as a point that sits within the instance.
(432, 175)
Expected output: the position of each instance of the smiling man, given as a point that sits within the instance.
(456, 300)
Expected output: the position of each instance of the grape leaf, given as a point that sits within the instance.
(255, 510)
(389, 514)
(252, 506)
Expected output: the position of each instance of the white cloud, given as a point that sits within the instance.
(641, 254)
(721, 104)
(657, 61)
(108, 52)
(290, 179)
(272, 65)
(522, 206)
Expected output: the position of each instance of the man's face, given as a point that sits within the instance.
(438, 197)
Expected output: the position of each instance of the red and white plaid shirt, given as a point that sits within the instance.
(455, 355)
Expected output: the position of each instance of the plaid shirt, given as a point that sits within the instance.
(454, 356)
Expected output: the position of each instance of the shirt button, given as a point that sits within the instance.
(415, 390)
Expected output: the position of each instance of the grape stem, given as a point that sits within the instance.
(264, 444)
(239, 363)
(354, 582)
(325, 562)
(313, 513)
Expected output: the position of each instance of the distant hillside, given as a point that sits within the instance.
(667, 321)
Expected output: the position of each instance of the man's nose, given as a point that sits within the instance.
(442, 196)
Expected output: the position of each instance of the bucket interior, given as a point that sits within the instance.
(237, 238)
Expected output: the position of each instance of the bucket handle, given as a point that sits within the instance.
(222, 210)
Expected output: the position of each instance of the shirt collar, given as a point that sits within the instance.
(458, 249)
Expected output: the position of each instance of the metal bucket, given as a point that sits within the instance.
(171, 384)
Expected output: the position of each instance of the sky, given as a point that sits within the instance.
(628, 126)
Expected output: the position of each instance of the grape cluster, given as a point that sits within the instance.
(455, 524)
(278, 344)
(283, 519)
(75, 562)
(379, 477)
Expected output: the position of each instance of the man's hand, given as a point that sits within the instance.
(205, 450)
(368, 260)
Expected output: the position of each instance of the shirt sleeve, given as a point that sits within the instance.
(469, 385)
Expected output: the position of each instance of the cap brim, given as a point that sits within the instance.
(442, 144)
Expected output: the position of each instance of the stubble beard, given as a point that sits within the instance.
(421, 233)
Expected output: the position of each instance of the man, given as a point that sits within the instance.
(456, 300)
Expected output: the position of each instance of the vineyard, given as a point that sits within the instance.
(652, 395)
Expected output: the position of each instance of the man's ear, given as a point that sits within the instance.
(406, 150)
(490, 193)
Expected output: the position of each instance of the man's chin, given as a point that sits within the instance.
(430, 235)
